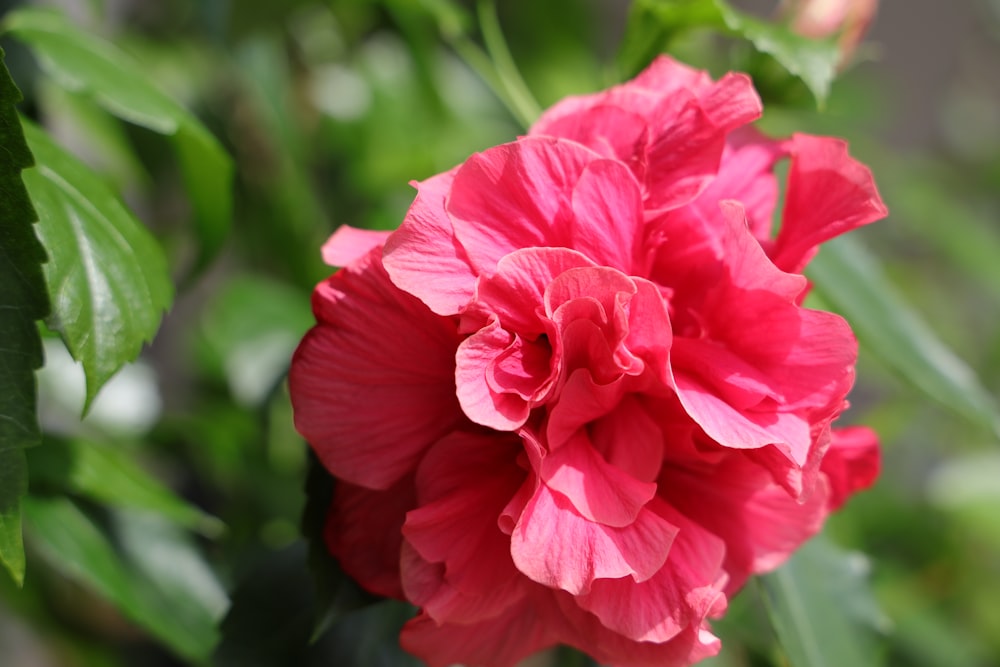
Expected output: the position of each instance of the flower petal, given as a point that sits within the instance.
(363, 532)
(424, 258)
(374, 346)
(852, 463)
(556, 546)
(680, 595)
(829, 193)
(349, 244)
(522, 194)
(599, 491)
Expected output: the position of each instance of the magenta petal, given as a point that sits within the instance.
(374, 346)
(743, 429)
(476, 356)
(363, 532)
(544, 192)
(523, 629)
(424, 258)
(582, 400)
(515, 293)
(556, 546)
(759, 521)
(599, 491)
(852, 463)
(349, 244)
(630, 439)
(829, 193)
(746, 175)
(681, 594)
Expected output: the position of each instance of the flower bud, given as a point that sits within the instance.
(848, 19)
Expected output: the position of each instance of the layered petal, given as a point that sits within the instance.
(554, 545)
(373, 346)
(544, 192)
(681, 594)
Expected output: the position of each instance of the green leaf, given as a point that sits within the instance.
(822, 608)
(82, 62)
(156, 578)
(653, 25)
(106, 274)
(851, 281)
(13, 485)
(23, 301)
(111, 476)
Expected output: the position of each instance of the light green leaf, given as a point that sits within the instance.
(653, 26)
(156, 579)
(822, 608)
(82, 62)
(23, 300)
(849, 279)
(112, 476)
(13, 485)
(106, 275)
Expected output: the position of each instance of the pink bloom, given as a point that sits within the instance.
(849, 20)
(575, 398)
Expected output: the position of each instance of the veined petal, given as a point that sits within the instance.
(556, 546)
(680, 595)
(599, 491)
(374, 346)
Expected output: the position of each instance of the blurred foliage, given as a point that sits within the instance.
(167, 526)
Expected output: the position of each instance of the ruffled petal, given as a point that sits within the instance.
(599, 491)
(690, 646)
(521, 195)
(480, 400)
(556, 546)
(680, 595)
(373, 346)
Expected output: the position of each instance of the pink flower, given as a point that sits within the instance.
(849, 20)
(575, 397)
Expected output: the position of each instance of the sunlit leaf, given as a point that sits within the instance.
(106, 274)
(155, 578)
(850, 280)
(83, 62)
(23, 301)
(111, 475)
(822, 608)
(653, 26)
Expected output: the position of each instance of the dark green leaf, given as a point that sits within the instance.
(111, 475)
(822, 608)
(850, 280)
(23, 301)
(156, 579)
(655, 24)
(106, 274)
(82, 62)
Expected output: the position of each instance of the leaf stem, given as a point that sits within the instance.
(523, 102)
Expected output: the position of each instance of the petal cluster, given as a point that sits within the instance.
(575, 398)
